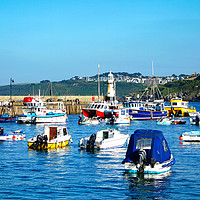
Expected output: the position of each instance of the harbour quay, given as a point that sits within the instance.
(73, 104)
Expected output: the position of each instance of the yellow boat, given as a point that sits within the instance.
(178, 107)
(53, 137)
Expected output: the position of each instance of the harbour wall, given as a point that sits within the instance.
(73, 104)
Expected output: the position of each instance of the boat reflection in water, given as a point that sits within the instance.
(148, 186)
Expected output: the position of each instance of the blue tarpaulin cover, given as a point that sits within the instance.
(159, 149)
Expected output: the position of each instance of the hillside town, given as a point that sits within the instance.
(137, 78)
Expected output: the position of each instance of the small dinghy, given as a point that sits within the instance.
(88, 121)
(178, 121)
(148, 153)
(15, 135)
(104, 139)
(192, 136)
(53, 137)
(164, 121)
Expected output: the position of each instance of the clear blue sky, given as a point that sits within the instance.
(56, 40)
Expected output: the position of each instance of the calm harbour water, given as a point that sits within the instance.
(73, 174)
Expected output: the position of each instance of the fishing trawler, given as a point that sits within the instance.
(148, 106)
(178, 107)
(98, 108)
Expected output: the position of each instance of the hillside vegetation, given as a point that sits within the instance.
(188, 89)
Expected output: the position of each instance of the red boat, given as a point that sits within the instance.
(105, 108)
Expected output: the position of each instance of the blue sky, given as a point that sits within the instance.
(56, 40)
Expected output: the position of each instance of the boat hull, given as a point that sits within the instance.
(50, 145)
(50, 119)
(143, 114)
(193, 136)
(157, 169)
(7, 119)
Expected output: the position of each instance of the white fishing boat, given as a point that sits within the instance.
(52, 138)
(31, 104)
(192, 136)
(104, 139)
(15, 135)
(53, 112)
(148, 153)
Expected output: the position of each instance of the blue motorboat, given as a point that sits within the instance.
(145, 110)
(148, 153)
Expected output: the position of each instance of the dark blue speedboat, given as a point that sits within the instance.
(148, 152)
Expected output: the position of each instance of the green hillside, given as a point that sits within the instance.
(69, 87)
(188, 89)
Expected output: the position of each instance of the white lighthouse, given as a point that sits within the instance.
(111, 95)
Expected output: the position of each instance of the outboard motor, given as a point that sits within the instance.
(39, 142)
(142, 160)
(197, 120)
(80, 119)
(112, 120)
(90, 142)
(1, 130)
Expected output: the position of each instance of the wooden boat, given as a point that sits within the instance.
(104, 139)
(192, 136)
(53, 137)
(15, 135)
(148, 153)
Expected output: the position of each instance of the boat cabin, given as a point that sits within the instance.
(53, 132)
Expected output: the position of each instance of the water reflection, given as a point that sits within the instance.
(148, 186)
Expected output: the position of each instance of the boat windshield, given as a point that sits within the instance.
(144, 143)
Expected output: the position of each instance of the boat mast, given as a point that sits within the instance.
(11, 81)
(98, 84)
(153, 85)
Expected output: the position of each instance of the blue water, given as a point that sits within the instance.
(73, 174)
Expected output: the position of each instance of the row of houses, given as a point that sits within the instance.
(141, 79)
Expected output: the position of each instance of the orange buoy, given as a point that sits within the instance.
(181, 137)
(14, 137)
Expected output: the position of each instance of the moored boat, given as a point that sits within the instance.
(178, 107)
(170, 121)
(15, 135)
(120, 117)
(103, 108)
(148, 153)
(192, 136)
(52, 138)
(88, 121)
(104, 139)
(164, 121)
(195, 120)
